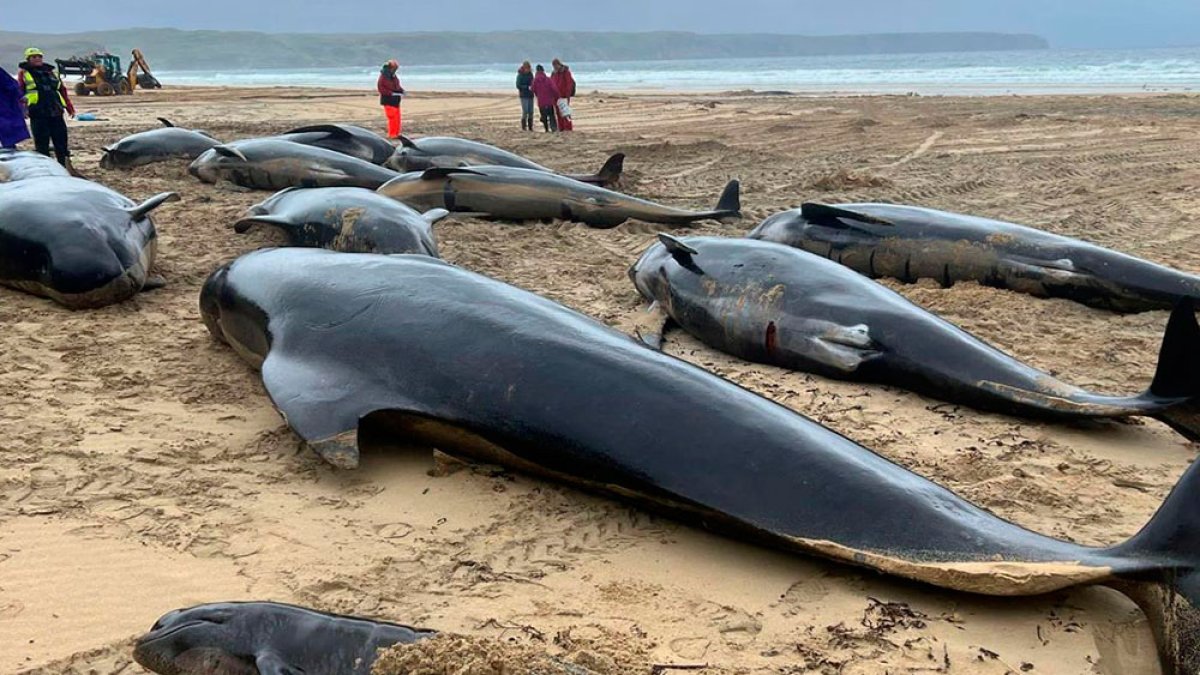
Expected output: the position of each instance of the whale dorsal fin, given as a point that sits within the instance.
(407, 142)
(829, 215)
(165, 122)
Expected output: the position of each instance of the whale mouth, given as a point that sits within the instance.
(164, 632)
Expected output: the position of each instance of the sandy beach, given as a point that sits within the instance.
(143, 468)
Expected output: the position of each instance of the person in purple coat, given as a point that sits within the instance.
(12, 116)
(547, 98)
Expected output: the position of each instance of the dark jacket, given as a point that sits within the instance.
(389, 88)
(47, 89)
(524, 84)
(12, 117)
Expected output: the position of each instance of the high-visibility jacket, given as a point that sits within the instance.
(45, 95)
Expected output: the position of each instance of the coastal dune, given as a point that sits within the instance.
(143, 467)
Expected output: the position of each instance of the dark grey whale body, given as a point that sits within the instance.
(275, 164)
(910, 243)
(266, 638)
(345, 340)
(506, 193)
(347, 139)
(775, 304)
(156, 145)
(75, 241)
(352, 220)
(434, 152)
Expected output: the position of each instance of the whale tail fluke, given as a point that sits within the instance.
(1168, 590)
(1178, 373)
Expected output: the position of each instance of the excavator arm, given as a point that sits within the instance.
(139, 61)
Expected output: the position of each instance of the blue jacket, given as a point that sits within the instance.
(12, 117)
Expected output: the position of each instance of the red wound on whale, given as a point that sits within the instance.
(771, 342)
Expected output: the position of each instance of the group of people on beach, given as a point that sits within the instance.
(553, 94)
(39, 95)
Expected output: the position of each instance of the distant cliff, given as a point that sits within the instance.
(170, 49)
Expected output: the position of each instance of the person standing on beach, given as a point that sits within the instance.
(45, 102)
(390, 94)
(547, 98)
(525, 91)
(565, 83)
(12, 118)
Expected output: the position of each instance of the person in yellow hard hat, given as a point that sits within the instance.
(45, 100)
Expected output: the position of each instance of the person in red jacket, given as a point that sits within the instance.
(565, 83)
(547, 98)
(390, 93)
(45, 100)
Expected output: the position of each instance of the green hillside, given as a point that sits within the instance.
(170, 49)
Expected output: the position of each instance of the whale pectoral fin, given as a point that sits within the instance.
(591, 211)
(226, 151)
(434, 215)
(141, 210)
(270, 663)
(331, 129)
(440, 172)
(242, 226)
(681, 252)
(154, 282)
(843, 348)
(323, 403)
(445, 162)
(650, 327)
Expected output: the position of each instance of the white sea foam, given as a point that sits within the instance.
(1041, 71)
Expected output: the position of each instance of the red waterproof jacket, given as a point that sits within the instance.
(545, 91)
(389, 88)
(564, 81)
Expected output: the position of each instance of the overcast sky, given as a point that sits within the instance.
(1066, 23)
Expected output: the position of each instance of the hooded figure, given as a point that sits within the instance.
(390, 93)
(564, 81)
(547, 98)
(12, 117)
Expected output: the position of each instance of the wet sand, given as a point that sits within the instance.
(143, 467)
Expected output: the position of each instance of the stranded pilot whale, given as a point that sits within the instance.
(447, 151)
(344, 138)
(156, 145)
(345, 339)
(774, 304)
(75, 241)
(507, 193)
(910, 243)
(266, 638)
(276, 163)
(352, 220)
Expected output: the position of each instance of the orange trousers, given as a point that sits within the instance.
(395, 123)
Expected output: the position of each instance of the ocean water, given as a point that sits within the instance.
(968, 73)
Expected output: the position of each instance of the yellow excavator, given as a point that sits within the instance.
(102, 74)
